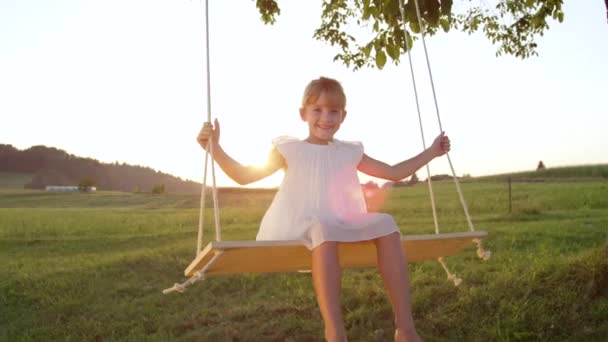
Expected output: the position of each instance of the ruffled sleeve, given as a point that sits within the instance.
(355, 149)
(283, 143)
(358, 147)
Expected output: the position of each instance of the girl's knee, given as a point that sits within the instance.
(392, 238)
(327, 246)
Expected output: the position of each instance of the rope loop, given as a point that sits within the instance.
(481, 252)
(176, 287)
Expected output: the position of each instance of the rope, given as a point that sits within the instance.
(428, 170)
(428, 65)
(208, 62)
(196, 277)
(483, 254)
(216, 206)
(451, 276)
(201, 212)
(209, 151)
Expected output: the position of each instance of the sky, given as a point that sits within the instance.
(125, 81)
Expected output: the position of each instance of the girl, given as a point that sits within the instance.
(320, 202)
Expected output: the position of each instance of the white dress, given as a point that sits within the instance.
(320, 198)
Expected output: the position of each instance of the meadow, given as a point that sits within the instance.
(91, 266)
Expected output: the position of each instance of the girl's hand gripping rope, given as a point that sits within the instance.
(441, 145)
(208, 131)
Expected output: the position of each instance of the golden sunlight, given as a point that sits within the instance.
(374, 197)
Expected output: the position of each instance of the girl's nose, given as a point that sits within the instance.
(327, 117)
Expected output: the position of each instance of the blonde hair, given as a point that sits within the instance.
(329, 86)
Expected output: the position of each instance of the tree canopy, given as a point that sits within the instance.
(511, 25)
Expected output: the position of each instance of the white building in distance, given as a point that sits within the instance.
(66, 188)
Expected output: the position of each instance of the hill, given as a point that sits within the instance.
(597, 172)
(39, 166)
(571, 173)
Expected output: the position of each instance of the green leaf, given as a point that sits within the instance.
(366, 12)
(414, 26)
(367, 49)
(378, 44)
(269, 9)
(410, 40)
(393, 51)
(445, 24)
(380, 59)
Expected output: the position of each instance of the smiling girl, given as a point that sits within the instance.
(320, 202)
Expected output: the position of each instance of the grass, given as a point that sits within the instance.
(92, 267)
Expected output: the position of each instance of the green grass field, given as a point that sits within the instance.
(92, 267)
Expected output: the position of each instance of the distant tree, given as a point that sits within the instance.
(413, 180)
(541, 165)
(158, 189)
(86, 184)
(399, 184)
(8, 157)
(440, 177)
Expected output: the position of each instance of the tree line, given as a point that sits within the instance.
(52, 166)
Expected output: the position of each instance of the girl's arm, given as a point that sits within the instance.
(399, 171)
(239, 173)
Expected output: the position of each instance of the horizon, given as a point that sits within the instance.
(138, 88)
(377, 181)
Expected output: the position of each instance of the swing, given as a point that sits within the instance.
(238, 257)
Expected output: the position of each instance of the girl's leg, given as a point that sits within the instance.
(326, 278)
(393, 269)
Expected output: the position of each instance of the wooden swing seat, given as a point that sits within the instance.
(235, 257)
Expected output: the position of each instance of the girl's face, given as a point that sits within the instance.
(324, 117)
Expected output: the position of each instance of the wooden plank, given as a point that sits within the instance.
(284, 256)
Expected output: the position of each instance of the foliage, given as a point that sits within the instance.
(540, 166)
(86, 184)
(512, 25)
(158, 189)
